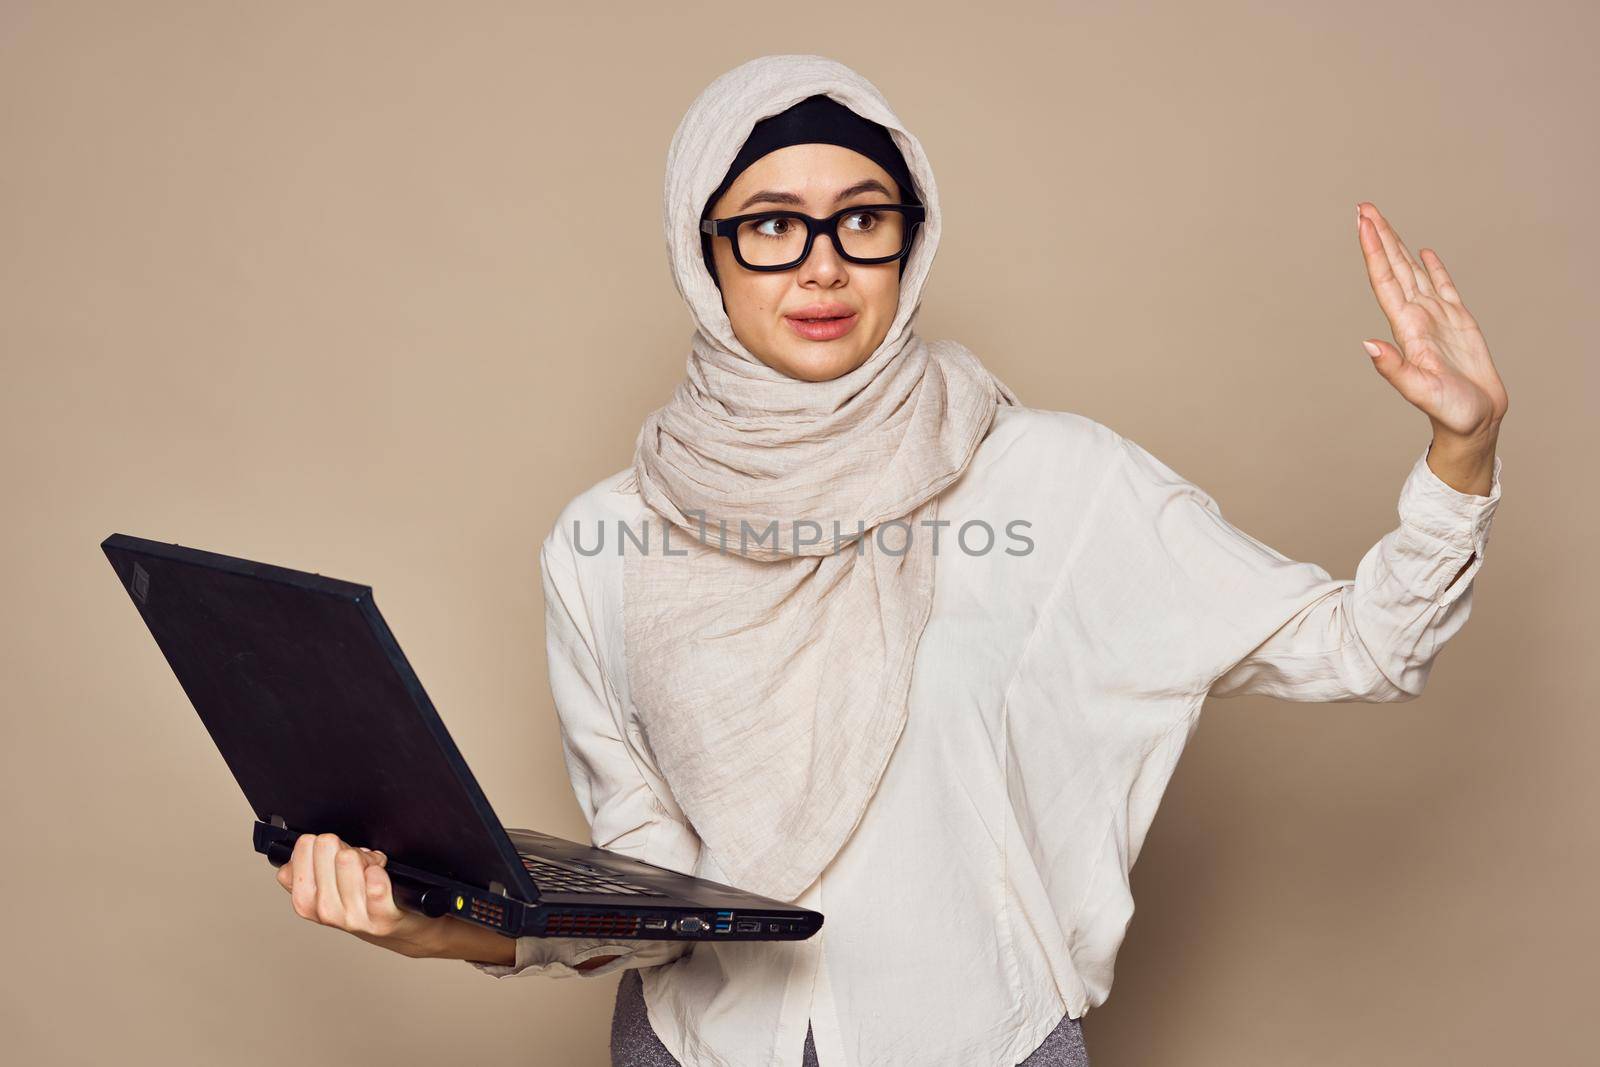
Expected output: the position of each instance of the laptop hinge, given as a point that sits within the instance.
(498, 889)
(277, 820)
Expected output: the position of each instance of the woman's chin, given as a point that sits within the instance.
(820, 361)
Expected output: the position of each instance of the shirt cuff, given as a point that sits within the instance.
(556, 957)
(1432, 507)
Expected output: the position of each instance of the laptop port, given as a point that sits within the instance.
(655, 924)
(748, 927)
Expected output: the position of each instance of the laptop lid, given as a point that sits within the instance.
(315, 709)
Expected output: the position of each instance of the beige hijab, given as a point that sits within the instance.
(771, 675)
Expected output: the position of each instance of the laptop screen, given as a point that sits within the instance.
(315, 709)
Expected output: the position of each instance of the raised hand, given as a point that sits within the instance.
(1441, 364)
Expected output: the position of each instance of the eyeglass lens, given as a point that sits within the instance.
(864, 233)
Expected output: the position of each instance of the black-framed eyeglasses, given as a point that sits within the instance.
(781, 240)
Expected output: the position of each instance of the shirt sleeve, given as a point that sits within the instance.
(618, 803)
(1266, 624)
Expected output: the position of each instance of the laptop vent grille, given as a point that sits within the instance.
(489, 913)
(592, 924)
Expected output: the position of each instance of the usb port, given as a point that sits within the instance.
(655, 924)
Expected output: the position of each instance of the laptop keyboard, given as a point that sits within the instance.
(551, 876)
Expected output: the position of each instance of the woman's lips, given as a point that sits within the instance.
(822, 329)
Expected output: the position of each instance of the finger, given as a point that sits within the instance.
(1398, 263)
(304, 876)
(1380, 271)
(330, 911)
(350, 869)
(1419, 273)
(1442, 281)
(382, 911)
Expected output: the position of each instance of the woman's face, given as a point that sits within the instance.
(808, 178)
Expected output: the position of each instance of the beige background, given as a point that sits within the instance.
(373, 289)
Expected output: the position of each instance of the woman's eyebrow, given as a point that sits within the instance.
(776, 196)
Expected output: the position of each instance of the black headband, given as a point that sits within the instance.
(817, 119)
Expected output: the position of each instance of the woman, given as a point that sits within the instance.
(887, 643)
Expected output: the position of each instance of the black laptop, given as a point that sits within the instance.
(327, 729)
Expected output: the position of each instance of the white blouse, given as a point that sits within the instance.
(985, 891)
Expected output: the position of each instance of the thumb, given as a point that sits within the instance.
(1385, 356)
(1399, 372)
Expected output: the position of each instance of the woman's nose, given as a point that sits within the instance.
(824, 262)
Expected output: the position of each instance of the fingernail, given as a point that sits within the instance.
(1372, 350)
(1358, 218)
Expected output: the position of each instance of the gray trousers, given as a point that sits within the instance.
(635, 1044)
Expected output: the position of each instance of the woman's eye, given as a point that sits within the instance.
(862, 220)
(782, 226)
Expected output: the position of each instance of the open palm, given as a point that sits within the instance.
(1442, 364)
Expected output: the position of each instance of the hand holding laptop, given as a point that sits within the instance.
(332, 739)
(333, 883)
